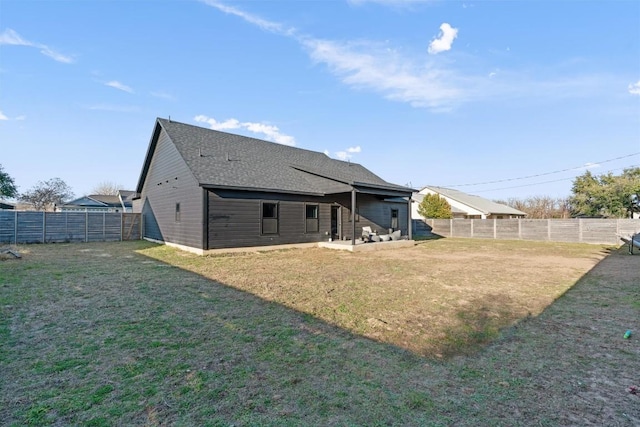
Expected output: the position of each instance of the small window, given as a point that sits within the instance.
(311, 218)
(394, 218)
(269, 218)
(177, 212)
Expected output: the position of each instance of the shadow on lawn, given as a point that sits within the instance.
(158, 345)
(473, 327)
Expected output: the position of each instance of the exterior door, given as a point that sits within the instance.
(336, 223)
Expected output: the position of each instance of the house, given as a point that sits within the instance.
(201, 189)
(466, 206)
(121, 202)
(6, 206)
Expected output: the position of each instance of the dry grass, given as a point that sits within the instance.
(115, 334)
(441, 297)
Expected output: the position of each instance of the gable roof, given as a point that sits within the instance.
(417, 197)
(103, 200)
(224, 160)
(479, 203)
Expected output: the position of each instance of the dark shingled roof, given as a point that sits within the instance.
(223, 160)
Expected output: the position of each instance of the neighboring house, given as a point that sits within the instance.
(122, 202)
(465, 205)
(202, 189)
(7, 205)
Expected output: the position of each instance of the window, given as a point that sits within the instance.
(394, 218)
(269, 218)
(311, 218)
(177, 212)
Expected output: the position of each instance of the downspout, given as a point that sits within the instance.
(353, 217)
(205, 219)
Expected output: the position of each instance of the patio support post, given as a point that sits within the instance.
(409, 221)
(353, 216)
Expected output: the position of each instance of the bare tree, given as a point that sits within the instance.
(107, 188)
(541, 207)
(45, 195)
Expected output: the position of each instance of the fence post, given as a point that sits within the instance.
(549, 229)
(86, 226)
(580, 230)
(495, 231)
(104, 226)
(15, 230)
(520, 228)
(121, 225)
(472, 223)
(451, 228)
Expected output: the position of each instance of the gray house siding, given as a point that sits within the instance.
(234, 219)
(224, 184)
(169, 182)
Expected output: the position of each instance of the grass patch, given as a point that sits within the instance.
(449, 332)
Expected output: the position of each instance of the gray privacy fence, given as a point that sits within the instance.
(52, 227)
(601, 231)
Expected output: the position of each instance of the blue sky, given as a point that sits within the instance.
(513, 97)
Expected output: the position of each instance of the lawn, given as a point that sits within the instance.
(464, 332)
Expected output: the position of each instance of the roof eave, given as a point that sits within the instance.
(147, 160)
(259, 189)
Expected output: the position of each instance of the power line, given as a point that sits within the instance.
(548, 182)
(541, 174)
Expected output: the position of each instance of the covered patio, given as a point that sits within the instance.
(361, 246)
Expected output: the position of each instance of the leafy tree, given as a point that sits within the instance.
(434, 206)
(7, 185)
(46, 194)
(106, 188)
(606, 195)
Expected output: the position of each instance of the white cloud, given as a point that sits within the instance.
(3, 117)
(269, 132)
(264, 24)
(587, 166)
(343, 155)
(426, 82)
(368, 66)
(117, 85)
(444, 40)
(10, 37)
(346, 154)
(114, 108)
(634, 88)
(162, 95)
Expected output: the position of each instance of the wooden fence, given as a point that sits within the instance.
(52, 227)
(600, 231)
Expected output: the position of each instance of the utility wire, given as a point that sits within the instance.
(548, 182)
(540, 174)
